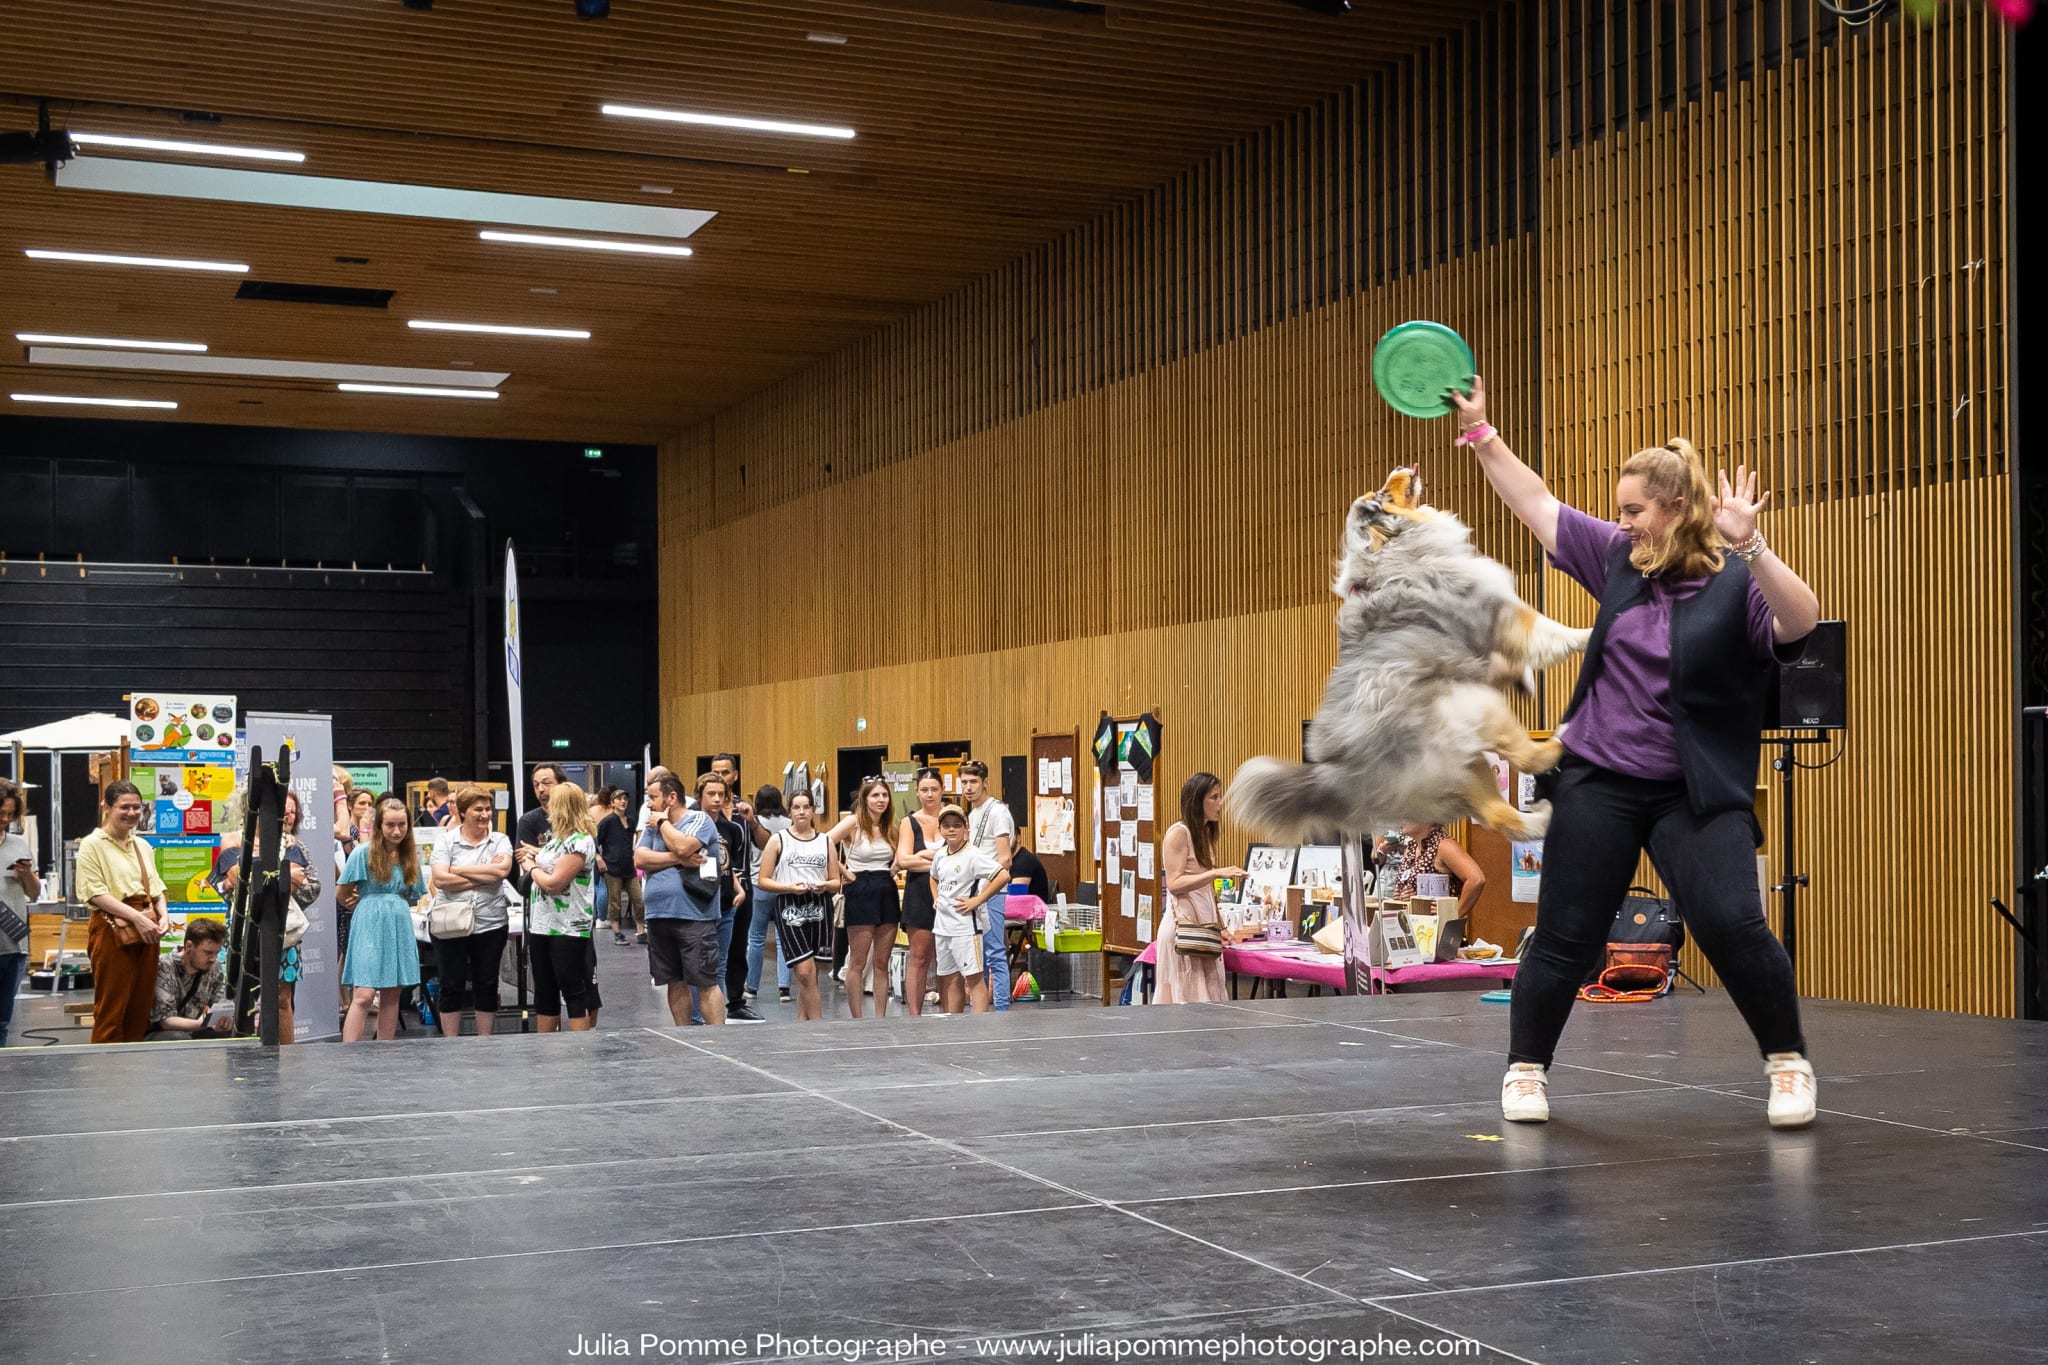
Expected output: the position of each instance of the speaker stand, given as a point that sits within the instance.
(1785, 764)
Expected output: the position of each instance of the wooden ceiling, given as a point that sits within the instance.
(984, 129)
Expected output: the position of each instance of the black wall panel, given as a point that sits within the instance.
(390, 656)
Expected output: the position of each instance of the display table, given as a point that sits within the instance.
(1263, 960)
(1288, 960)
(1486, 975)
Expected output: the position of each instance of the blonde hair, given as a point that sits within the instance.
(569, 811)
(864, 819)
(1673, 475)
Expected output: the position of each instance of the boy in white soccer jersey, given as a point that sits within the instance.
(964, 879)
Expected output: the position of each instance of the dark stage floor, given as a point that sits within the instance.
(1283, 1177)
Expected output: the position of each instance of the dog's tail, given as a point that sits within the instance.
(1292, 802)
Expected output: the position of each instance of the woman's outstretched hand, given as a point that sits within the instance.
(1737, 507)
(1470, 408)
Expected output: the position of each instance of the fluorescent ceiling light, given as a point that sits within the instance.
(566, 333)
(757, 125)
(92, 402)
(119, 343)
(586, 243)
(162, 262)
(290, 189)
(417, 390)
(155, 144)
(258, 367)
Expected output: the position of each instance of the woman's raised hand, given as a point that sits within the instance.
(1737, 507)
(1469, 408)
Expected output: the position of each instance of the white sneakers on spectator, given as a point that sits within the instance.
(1525, 1094)
(1794, 1096)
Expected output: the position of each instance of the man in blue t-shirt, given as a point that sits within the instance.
(679, 852)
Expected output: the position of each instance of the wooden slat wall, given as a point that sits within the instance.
(1112, 475)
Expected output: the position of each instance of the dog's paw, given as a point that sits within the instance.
(1578, 641)
(1536, 822)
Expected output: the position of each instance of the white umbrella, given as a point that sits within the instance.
(92, 731)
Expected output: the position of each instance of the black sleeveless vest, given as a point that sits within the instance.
(1718, 685)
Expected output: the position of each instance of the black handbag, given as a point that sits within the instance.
(1645, 917)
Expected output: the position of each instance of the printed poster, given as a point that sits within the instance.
(182, 756)
(1145, 807)
(1045, 824)
(181, 727)
(1526, 881)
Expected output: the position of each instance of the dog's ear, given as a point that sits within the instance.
(1376, 538)
(1400, 492)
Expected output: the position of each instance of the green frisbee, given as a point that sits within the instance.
(1415, 362)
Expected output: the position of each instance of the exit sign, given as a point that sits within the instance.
(593, 452)
(558, 744)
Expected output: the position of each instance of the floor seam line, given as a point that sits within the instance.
(1380, 1299)
(548, 1251)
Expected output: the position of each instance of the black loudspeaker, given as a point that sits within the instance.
(1812, 692)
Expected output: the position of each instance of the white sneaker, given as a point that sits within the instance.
(1794, 1096)
(1525, 1094)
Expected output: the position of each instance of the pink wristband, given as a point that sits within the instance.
(1483, 432)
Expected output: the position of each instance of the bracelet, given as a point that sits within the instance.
(1749, 549)
(1472, 436)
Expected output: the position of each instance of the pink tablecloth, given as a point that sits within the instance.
(1283, 961)
(1293, 962)
(1387, 978)
(1023, 906)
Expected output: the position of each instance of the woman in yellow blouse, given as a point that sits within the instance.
(117, 878)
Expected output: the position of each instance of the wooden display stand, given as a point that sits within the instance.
(1063, 750)
(1498, 917)
(1120, 923)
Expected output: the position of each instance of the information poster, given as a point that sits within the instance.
(181, 755)
(367, 777)
(902, 778)
(1527, 880)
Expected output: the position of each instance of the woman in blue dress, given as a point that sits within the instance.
(381, 882)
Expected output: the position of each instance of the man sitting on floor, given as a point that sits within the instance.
(188, 982)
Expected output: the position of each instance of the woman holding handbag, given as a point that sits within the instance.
(305, 889)
(117, 877)
(1190, 955)
(469, 920)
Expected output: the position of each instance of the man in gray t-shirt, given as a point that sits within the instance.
(992, 829)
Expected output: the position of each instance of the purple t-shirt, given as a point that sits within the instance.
(1625, 723)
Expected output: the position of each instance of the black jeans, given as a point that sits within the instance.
(1600, 823)
(736, 951)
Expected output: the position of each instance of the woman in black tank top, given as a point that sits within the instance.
(916, 840)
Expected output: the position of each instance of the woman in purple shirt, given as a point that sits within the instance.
(1660, 743)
